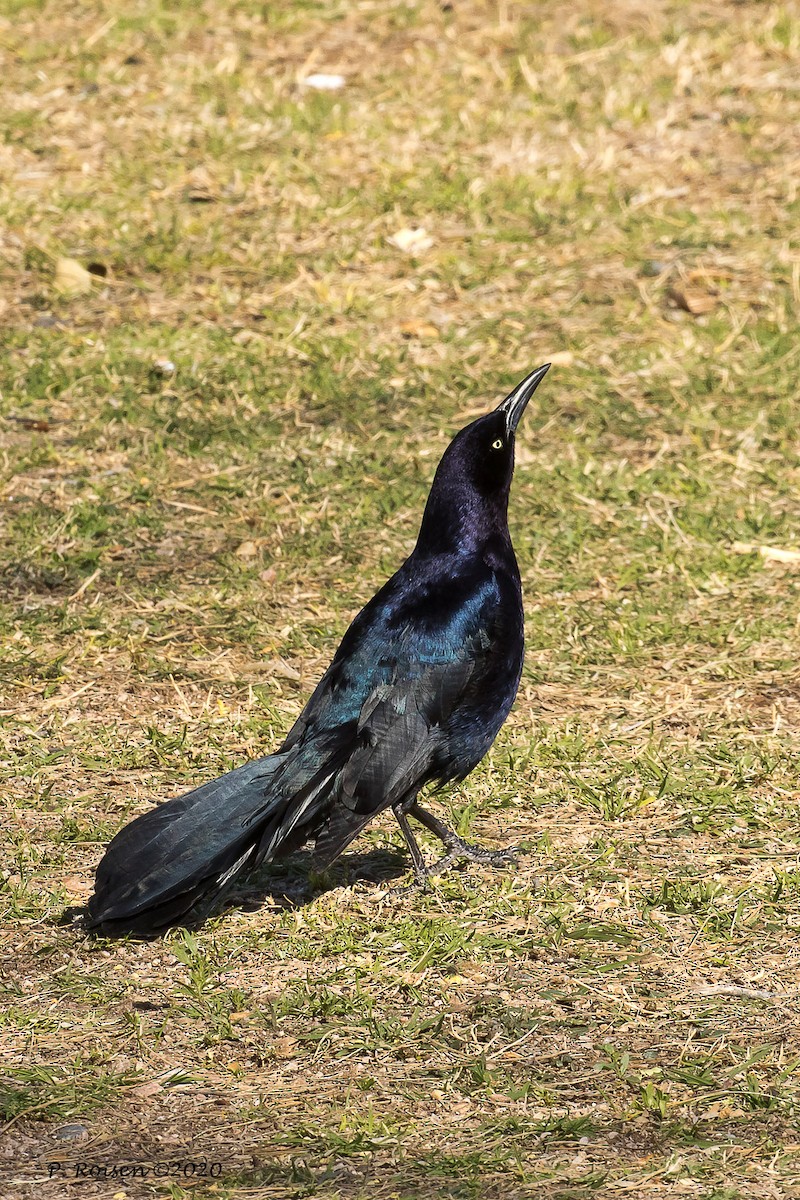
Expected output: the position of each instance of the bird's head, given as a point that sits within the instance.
(484, 450)
(474, 476)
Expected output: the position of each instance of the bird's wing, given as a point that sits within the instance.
(400, 737)
(395, 638)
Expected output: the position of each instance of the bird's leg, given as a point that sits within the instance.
(455, 846)
(420, 870)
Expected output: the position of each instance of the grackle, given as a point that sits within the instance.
(416, 693)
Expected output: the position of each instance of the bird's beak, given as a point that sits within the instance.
(515, 402)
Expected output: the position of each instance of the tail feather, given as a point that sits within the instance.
(160, 865)
(166, 861)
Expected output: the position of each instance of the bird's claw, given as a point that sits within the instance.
(459, 851)
(415, 888)
(463, 850)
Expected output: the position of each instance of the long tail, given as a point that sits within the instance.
(161, 865)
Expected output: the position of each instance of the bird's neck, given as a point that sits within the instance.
(462, 522)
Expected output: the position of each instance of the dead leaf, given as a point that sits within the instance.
(412, 241)
(247, 550)
(418, 329)
(247, 335)
(692, 300)
(562, 358)
(71, 279)
(38, 424)
(768, 553)
(284, 1047)
(145, 1090)
(283, 669)
(720, 1110)
(201, 188)
(228, 64)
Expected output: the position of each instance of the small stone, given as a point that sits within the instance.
(654, 267)
(324, 83)
(72, 1133)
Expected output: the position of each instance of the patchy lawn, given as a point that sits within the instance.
(216, 444)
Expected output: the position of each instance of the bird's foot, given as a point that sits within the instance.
(456, 847)
(419, 885)
(458, 850)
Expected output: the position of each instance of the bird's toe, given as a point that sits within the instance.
(402, 891)
(480, 854)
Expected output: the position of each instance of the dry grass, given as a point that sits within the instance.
(612, 185)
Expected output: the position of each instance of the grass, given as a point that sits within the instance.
(610, 186)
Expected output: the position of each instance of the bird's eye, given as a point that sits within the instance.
(497, 444)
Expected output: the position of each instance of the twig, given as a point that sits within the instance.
(190, 507)
(58, 701)
(87, 583)
(734, 989)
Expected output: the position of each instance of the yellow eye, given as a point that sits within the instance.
(497, 444)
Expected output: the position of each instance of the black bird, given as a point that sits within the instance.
(417, 692)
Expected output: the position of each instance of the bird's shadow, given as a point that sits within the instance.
(294, 882)
(288, 884)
